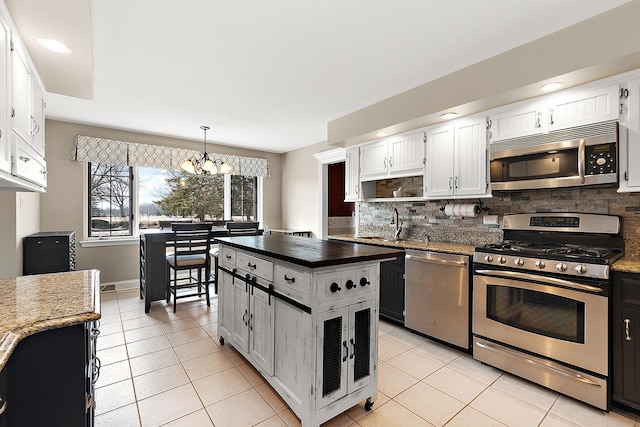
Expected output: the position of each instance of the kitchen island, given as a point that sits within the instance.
(304, 313)
(48, 328)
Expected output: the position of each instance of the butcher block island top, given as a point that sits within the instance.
(308, 252)
(32, 304)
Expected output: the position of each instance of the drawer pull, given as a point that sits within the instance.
(227, 256)
(254, 266)
(290, 279)
(24, 159)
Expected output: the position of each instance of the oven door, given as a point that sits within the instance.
(567, 323)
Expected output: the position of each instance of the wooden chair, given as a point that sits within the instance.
(191, 245)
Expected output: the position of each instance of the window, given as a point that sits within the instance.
(110, 200)
(123, 200)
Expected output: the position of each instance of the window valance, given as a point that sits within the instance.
(102, 150)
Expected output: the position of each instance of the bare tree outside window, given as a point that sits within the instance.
(244, 192)
(110, 194)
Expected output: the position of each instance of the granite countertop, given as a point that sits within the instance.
(452, 248)
(309, 252)
(627, 264)
(32, 304)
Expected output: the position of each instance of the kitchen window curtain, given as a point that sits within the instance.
(102, 150)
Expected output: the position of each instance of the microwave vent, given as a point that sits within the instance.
(597, 129)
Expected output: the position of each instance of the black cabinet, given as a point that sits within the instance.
(48, 379)
(49, 252)
(626, 339)
(392, 289)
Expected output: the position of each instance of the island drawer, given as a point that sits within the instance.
(254, 265)
(294, 283)
(347, 283)
(227, 257)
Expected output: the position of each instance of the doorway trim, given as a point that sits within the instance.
(326, 158)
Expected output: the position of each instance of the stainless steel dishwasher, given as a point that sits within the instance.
(437, 296)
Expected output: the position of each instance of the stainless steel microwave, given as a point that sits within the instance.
(576, 162)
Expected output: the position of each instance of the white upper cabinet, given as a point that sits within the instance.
(398, 156)
(438, 178)
(373, 160)
(22, 103)
(5, 145)
(531, 119)
(352, 175)
(457, 160)
(471, 159)
(582, 107)
(630, 140)
(21, 97)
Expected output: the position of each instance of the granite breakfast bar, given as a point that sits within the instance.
(48, 329)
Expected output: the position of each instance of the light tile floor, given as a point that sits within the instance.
(166, 369)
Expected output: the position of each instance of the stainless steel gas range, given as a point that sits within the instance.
(541, 301)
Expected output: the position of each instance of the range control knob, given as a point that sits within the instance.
(334, 287)
(561, 266)
(350, 284)
(518, 261)
(364, 281)
(540, 264)
(502, 259)
(488, 258)
(581, 269)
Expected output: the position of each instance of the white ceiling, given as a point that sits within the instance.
(270, 74)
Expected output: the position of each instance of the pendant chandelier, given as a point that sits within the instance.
(204, 165)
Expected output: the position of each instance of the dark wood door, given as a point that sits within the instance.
(626, 339)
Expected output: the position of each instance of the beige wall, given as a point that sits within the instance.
(61, 206)
(20, 216)
(300, 196)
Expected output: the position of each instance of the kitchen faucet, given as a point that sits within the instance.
(395, 218)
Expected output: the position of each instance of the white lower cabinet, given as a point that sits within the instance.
(312, 335)
(346, 357)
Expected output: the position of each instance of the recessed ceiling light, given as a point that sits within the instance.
(549, 87)
(449, 115)
(54, 46)
(381, 134)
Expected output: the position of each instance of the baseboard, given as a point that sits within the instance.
(123, 285)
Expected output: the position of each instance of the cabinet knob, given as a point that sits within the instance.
(335, 287)
(350, 284)
(364, 281)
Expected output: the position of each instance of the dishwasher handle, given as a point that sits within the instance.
(439, 261)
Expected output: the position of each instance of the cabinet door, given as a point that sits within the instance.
(584, 107)
(439, 168)
(261, 329)
(631, 354)
(392, 289)
(240, 315)
(633, 136)
(406, 154)
(332, 355)
(5, 145)
(363, 350)
(37, 117)
(352, 178)
(373, 160)
(21, 95)
(531, 119)
(470, 161)
(226, 300)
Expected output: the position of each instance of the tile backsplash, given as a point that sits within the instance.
(424, 220)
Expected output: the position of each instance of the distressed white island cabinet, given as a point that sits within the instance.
(304, 313)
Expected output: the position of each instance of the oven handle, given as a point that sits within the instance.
(550, 280)
(575, 376)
